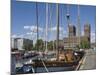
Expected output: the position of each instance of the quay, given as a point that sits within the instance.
(88, 62)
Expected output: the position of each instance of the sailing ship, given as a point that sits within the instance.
(64, 60)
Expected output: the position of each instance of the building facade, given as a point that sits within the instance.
(72, 30)
(72, 41)
(18, 43)
(14, 43)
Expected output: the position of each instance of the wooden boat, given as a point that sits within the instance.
(68, 59)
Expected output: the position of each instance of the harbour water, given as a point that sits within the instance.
(43, 70)
(53, 69)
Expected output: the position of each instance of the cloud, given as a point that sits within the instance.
(55, 28)
(26, 27)
(82, 33)
(53, 35)
(14, 36)
(52, 29)
(93, 37)
(33, 28)
(17, 36)
(65, 34)
(29, 33)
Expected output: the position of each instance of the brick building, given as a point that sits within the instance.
(73, 41)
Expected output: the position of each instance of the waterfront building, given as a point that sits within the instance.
(18, 43)
(72, 41)
(72, 30)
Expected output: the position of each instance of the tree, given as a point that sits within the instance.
(39, 44)
(27, 46)
(50, 45)
(84, 44)
(34, 48)
(77, 46)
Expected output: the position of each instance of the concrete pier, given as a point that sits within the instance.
(89, 60)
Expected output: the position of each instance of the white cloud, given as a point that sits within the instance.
(93, 37)
(55, 28)
(65, 34)
(82, 33)
(33, 28)
(54, 34)
(62, 33)
(17, 36)
(14, 36)
(29, 33)
(26, 27)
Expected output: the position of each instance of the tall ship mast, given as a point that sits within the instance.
(68, 23)
(46, 50)
(78, 25)
(37, 23)
(57, 22)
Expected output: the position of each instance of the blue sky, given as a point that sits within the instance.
(23, 19)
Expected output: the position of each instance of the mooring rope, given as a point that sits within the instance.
(44, 66)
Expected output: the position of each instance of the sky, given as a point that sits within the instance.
(23, 19)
